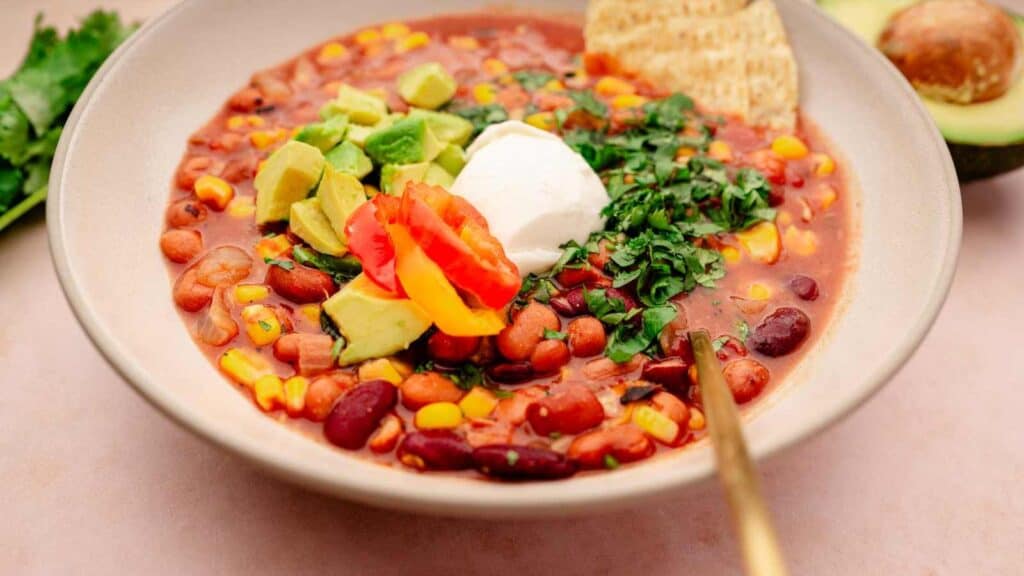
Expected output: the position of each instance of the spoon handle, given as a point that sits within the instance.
(758, 543)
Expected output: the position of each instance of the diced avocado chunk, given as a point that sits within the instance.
(408, 141)
(360, 107)
(428, 86)
(375, 324)
(339, 195)
(452, 159)
(349, 159)
(447, 127)
(359, 134)
(394, 177)
(325, 135)
(309, 222)
(287, 177)
(438, 176)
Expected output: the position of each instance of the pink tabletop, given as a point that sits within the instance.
(926, 479)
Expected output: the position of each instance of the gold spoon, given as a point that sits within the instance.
(758, 543)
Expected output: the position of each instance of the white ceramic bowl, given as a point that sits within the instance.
(110, 186)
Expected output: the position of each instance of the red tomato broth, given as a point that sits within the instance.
(522, 43)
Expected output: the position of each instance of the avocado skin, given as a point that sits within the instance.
(979, 162)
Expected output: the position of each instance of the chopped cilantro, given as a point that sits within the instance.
(550, 334)
(742, 330)
(265, 326)
(501, 394)
(719, 343)
(283, 264)
(327, 326)
(512, 457)
(533, 80)
(587, 102)
(339, 345)
(610, 462)
(481, 116)
(342, 270)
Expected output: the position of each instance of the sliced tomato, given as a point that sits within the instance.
(455, 236)
(368, 241)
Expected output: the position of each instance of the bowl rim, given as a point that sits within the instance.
(418, 496)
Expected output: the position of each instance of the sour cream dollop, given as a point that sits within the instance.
(535, 191)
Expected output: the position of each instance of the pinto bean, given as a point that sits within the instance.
(300, 284)
(419, 390)
(274, 89)
(510, 372)
(586, 337)
(746, 378)
(286, 349)
(387, 435)
(673, 407)
(189, 294)
(195, 167)
(186, 213)
(323, 392)
(356, 416)
(781, 333)
(549, 356)
(670, 373)
(623, 443)
(522, 463)
(452, 349)
(246, 100)
(573, 410)
(513, 410)
(605, 368)
(435, 450)
(518, 340)
(181, 246)
(241, 169)
(804, 287)
(487, 432)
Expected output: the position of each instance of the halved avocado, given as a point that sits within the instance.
(985, 138)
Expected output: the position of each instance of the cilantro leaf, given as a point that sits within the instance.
(533, 80)
(342, 270)
(550, 334)
(481, 116)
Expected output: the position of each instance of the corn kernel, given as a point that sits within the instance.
(263, 139)
(273, 246)
(731, 255)
(311, 312)
(236, 123)
(255, 121)
(214, 191)
(495, 67)
(331, 52)
(827, 196)
(371, 191)
(404, 368)
(824, 165)
(268, 392)
(790, 147)
(720, 151)
(696, 420)
(242, 207)
(628, 101)
(542, 120)
(261, 324)
(555, 86)
(439, 416)
(685, 153)
(759, 291)
(612, 86)
(801, 242)
(368, 36)
(413, 41)
(485, 94)
(244, 366)
(655, 424)
(380, 369)
(464, 43)
(762, 242)
(251, 293)
(394, 30)
(479, 403)
(295, 395)
(784, 218)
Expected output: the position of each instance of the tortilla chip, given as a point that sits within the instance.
(730, 59)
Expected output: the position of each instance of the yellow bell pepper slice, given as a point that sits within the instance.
(427, 286)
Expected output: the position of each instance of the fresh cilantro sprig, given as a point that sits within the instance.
(342, 270)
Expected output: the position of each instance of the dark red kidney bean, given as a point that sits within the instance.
(452, 349)
(246, 100)
(300, 284)
(435, 450)
(522, 463)
(583, 276)
(573, 410)
(670, 373)
(510, 372)
(356, 416)
(612, 293)
(570, 304)
(804, 287)
(777, 195)
(746, 378)
(780, 333)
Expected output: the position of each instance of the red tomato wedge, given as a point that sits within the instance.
(456, 237)
(368, 241)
